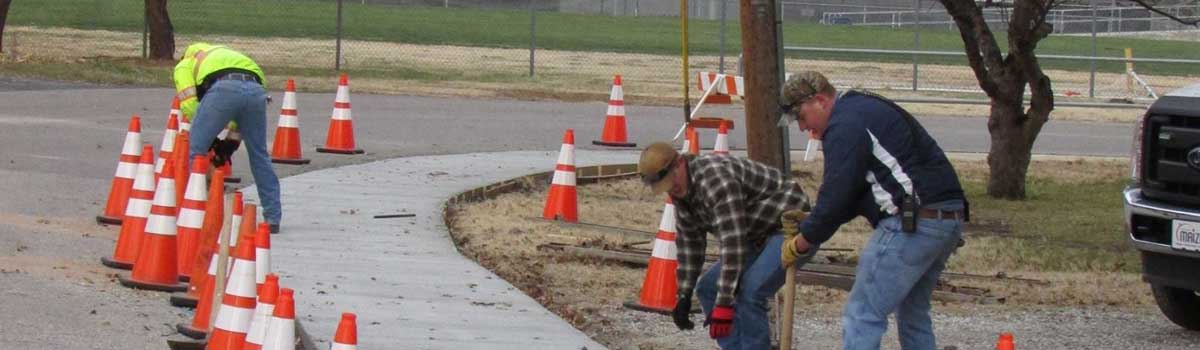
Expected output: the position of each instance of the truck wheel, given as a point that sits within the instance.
(1181, 306)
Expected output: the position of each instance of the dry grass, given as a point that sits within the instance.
(502, 235)
(395, 68)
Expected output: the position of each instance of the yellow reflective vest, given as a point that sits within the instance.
(199, 60)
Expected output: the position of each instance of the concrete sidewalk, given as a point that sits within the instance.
(404, 277)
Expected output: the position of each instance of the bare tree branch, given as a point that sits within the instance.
(983, 54)
(1142, 3)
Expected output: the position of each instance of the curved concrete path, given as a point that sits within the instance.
(404, 277)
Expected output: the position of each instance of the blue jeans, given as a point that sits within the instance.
(246, 103)
(762, 276)
(897, 272)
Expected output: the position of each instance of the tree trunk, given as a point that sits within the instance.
(3, 17)
(763, 137)
(1008, 158)
(162, 35)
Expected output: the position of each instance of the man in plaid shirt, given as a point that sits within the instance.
(739, 201)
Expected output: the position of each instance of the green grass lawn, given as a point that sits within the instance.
(564, 31)
(1064, 225)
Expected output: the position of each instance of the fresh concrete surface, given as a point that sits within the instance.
(403, 276)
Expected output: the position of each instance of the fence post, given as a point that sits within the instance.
(532, 34)
(721, 66)
(145, 35)
(916, 42)
(1092, 75)
(337, 59)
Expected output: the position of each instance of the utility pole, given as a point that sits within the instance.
(760, 54)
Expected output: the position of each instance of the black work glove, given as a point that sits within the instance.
(223, 151)
(682, 312)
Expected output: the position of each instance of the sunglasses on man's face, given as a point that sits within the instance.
(656, 177)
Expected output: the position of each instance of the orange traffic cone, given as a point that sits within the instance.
(562, 203)
(122, 184)
(214, 215)
(182, 171)
(286, 147)
(198, 329)
(722, 145)
(691, 142)
(238, 304)
(281, 331)
(167, 150)
(1005, 342)
(614, 121)
(262, 253)
(155, 268)
(340, 138)
(136, 211)
(191, 216)
(659, 286)
(267, 295)
(346, 337)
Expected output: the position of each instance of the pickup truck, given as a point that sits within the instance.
(1162, 203)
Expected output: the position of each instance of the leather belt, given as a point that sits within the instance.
(926, 213)
(238, 76)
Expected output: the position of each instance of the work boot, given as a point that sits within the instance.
(274, 228)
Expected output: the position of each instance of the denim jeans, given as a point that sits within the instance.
(246, 103)
(897, 272)
(762, 276)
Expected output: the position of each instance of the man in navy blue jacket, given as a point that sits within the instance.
(880, 164)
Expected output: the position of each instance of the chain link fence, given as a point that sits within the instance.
(567, 49)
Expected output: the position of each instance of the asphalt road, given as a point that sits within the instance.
(59, 143)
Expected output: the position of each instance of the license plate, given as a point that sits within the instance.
(1185, 235)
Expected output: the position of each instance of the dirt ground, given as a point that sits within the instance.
(560, 75)
(1066, 310)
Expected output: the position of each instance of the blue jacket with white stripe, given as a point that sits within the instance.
(871, 161)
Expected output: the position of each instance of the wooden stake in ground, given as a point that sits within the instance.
(222, 262)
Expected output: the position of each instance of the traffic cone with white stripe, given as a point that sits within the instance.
(286, 147)
(722, 145)
(340, 138)
(167, 149)
(691, 142)
(237, 306)
(198, 329)
(155, 268)
(191, 216)
(659, 287)
(262, 253)
(281, 331)
(614, 121)
(122, 184)
(268, 293)
(346, 337)
(562, 201)
(138, 208)
(214, 216)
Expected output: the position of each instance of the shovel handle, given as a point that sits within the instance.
(789, 308)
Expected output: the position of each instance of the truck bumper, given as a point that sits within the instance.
(1148, 226)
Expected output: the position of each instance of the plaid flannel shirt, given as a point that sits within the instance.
(739, 201)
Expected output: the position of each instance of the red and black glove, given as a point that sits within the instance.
(720, 324)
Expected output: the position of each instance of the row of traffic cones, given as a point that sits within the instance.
(285, 147)
(170, 213)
